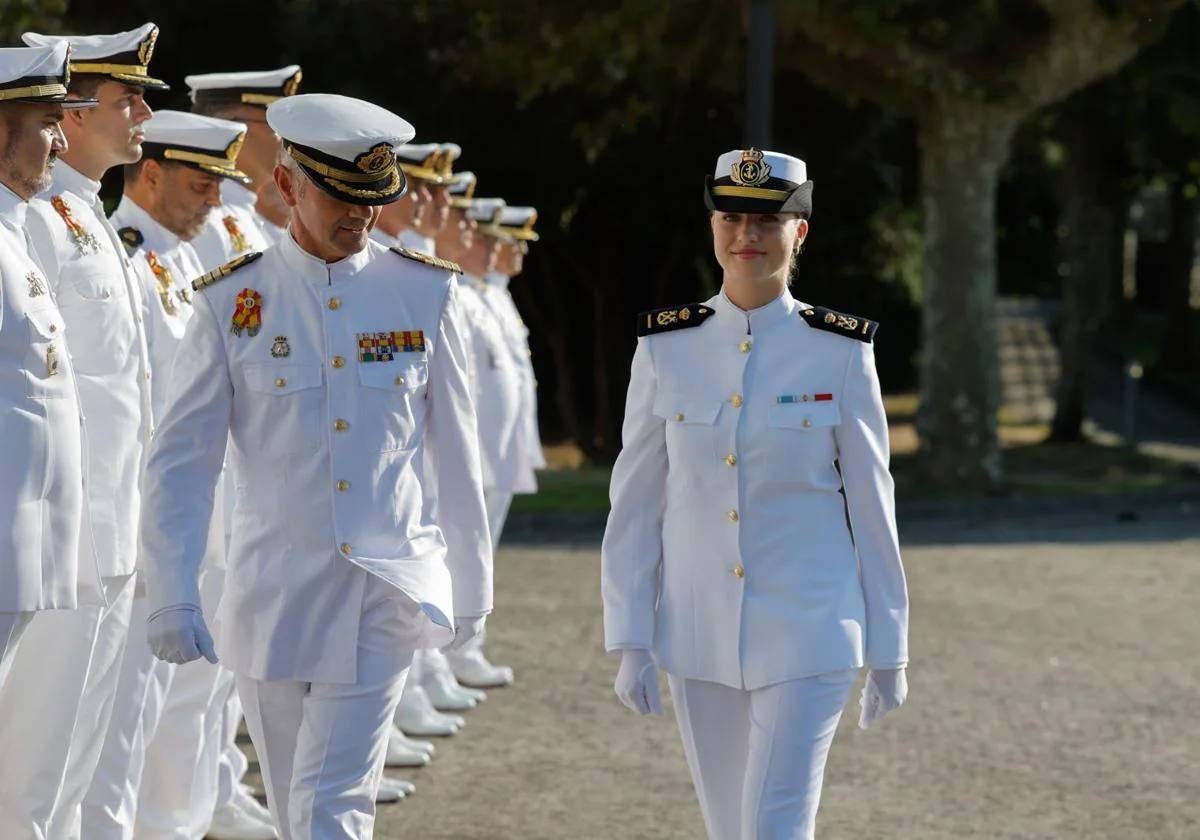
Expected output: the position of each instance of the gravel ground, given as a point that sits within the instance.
(1053, 695)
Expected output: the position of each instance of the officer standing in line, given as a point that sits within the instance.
(167, 199)
(238, 228)
(752, 551)
(398, 220)
(505, 233)
(71, 662)
(46, 562)
(331, 390)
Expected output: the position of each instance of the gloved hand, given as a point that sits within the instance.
(637, 682)
(884, 691)
(466, 628)
(178, 634)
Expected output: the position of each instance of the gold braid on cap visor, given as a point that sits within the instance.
(105, 69)
(753, 192)
(390, 188)
(35, 90)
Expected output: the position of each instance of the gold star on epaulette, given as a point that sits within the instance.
(672, 318)
(435, 262)
(850, 326)
(224, 271)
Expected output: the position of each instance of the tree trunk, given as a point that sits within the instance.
(1095, 222)
(1180, 344)
(963, 144)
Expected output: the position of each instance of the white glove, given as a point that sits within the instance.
(178, 634)
(883, 692)
(637, 682)
(466, 628)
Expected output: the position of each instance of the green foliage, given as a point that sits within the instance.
(18, 16)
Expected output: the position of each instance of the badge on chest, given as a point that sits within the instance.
(383, 346)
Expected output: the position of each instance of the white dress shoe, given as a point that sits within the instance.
(416, 716)
(243, 798)
(392, 789)
(472, 669)
(232, 823)
(426, 747)
(445, 695)
(400, 754)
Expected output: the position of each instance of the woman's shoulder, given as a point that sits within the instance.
(839, 323)
(672, 318)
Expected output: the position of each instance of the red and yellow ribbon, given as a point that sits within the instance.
(248, 313)
(84, 240)
(163, 275)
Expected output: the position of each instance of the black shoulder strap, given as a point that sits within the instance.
(672, 318)
(849, 326)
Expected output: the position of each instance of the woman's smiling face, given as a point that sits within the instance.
(756, 246)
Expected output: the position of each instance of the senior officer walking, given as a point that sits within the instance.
(72, 661)
(731, 559)
(338, 370)
(42, 501)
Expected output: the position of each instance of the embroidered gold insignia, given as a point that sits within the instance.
(292, 85)
(235, 148)
(672, 318)
(751, 170)
(51, 360)
(445, 265)
(146, 48)
(379, 158)
(36, 287)
(849, 326)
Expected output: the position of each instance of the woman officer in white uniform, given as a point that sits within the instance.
(751, 551)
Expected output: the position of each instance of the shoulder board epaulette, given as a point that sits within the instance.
(436, 262)
(132, 238)
(851, 326)
(672, 318)
(225, 270)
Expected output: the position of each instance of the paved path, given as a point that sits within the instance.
(1055, 685)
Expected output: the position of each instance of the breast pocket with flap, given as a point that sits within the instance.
(691, 425)
(289, 400)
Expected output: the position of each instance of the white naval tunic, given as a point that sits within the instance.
(233, 229)
(331, 456)
(167, 292)
(100, 299)
(497, 383)
(528, 443)
(727, 550)
(42, 496)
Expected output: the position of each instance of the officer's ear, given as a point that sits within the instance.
(287, 181)
(801, 234)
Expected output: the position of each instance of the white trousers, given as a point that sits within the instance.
(110, 806)
(231, 763)
(54, 713)
(12, 627)
(179, 783)
(757, 758)
(321, 746)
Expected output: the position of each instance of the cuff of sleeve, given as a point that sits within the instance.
(174, 608)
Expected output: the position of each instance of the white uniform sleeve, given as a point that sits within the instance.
(185, 460)
(862, 441)
(631, 554)
(454, 438)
